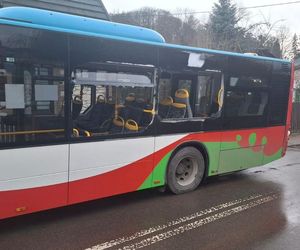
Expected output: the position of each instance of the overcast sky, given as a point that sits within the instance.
(286, 14)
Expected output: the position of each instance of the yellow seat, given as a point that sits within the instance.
(164, 106)
(131, 125)
(182, 96)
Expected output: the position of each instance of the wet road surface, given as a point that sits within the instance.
(254, 209)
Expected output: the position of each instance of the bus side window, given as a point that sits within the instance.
(32, 86)
(195, 96)
(279, 95)
(209, 95)
(81, 95)
(119, 102)
(246, 101)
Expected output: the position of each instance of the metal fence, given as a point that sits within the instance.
(296, 118)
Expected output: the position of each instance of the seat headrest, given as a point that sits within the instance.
(182, 93)
(167, 101)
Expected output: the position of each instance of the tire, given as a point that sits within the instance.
(185, 171)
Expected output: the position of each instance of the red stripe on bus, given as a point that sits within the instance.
(126, 179)
(32, 200)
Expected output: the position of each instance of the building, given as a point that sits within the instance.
(88, 8)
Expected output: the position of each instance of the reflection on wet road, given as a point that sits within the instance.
(254, 209)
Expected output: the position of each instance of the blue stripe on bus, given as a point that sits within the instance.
(24, 17)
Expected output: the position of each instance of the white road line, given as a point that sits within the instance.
(193, 225)
(174, 222)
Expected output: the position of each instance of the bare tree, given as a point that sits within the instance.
(228, 28)
(188, 29)
(283, 35)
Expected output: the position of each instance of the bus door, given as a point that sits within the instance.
(113, 142)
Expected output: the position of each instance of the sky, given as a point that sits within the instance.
(288, 15)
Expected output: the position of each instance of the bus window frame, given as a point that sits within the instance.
(148, 131)
(65, 139)
(228, 121)
(180, 76)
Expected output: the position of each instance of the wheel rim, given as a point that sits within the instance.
(186, 171)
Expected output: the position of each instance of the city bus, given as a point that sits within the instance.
(91, 109)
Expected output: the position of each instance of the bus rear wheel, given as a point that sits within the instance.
(186, 170)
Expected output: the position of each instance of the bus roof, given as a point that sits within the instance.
(73, 23)
(56, 21)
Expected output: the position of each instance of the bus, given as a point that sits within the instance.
(91, 109)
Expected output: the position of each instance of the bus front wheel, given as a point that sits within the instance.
(186, 170)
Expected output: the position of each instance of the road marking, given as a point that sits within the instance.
(193, 225)
(174, 222)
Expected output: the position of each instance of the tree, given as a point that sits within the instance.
(295, 47)
(173, 29)
(169, 26)
(228, 28)
(188, 29)
(223, 26)
(145, 17)
(283, 36)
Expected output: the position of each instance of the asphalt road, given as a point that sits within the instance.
(254, 209)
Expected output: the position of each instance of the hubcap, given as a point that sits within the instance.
(186, 171)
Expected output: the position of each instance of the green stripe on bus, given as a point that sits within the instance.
(158, 174)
